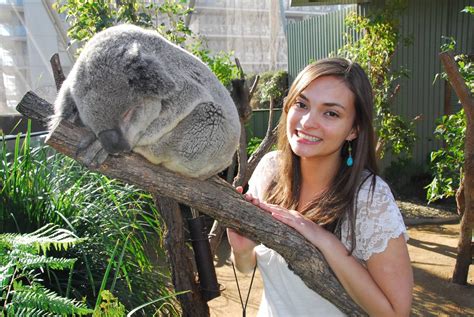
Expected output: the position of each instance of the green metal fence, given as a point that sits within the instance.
(257, 126)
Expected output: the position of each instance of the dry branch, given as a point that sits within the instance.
(216, 198)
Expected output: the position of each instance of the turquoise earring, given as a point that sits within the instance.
(349, 161)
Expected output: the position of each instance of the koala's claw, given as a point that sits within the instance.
(91, 152)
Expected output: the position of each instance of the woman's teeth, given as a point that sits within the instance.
(308, 137)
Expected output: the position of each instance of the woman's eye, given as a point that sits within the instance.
(300, 105)
(332, 114)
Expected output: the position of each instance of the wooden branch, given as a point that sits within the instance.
(457, 82)
(268, 141)
(218, 199)
(239, 67)
(464, 256)
(254, 87)
(58, 73)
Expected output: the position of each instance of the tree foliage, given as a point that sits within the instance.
(372, 42)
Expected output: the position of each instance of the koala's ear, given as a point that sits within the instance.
(146, 73)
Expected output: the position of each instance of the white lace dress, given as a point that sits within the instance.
(378, 220)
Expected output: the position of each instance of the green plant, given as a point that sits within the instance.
(23, 257)
(219, 63)
(109, 306)
(271, 84)
(372, 41)
(253, 145)
(39, 186)
(86, 18)
(446, 163)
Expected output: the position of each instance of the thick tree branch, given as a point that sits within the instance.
(458, 83)
(216, 198)
(464, 256)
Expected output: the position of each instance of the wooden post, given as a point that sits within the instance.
(181, 259)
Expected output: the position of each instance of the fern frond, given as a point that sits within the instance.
(41, 298)
(41, 240)
(6, 274)
(27, 312)
(32, 261)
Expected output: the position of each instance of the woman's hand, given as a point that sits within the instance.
(310, 230)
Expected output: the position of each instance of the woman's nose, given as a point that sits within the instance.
(309, 120)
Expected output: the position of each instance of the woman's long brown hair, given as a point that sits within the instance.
(338, 201)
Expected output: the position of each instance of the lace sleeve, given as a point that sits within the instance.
(378, 220)
(263, 175)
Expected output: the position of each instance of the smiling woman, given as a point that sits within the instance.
(323, 182)
(321, 119)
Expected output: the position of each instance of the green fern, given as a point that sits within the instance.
(29, 312)
(38, 297)
(22, 259)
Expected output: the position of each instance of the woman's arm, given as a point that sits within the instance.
(243, 254)
(384, 288)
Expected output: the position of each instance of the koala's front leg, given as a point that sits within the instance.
(90, 151)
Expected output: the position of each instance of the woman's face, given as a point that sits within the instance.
(321, 119)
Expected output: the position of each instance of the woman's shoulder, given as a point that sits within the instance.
(374, 185)
(268, 164)
(375, 199)
(263, 174)
(270, 157)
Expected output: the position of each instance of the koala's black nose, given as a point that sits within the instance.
(113, 141)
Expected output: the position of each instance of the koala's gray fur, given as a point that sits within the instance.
(137, 91)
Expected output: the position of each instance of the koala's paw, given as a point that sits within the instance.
(91, 152)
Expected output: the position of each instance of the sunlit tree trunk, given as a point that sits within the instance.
(464, 256)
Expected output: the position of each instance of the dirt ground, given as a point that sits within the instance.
(432, 251)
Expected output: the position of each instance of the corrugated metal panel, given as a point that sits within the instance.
(259, 122)
(425, 21)
(426, 24)
(315, 38)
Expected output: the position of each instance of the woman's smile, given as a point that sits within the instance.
(307, 138)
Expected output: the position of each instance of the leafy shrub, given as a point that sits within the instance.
(271, 84)
(446, 163)
(253, 145)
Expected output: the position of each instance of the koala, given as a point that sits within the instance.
(136, 91)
